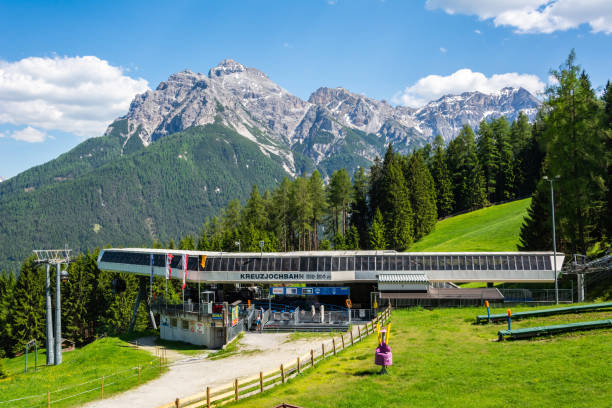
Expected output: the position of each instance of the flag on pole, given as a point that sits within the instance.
(185, 260)
(169, 268)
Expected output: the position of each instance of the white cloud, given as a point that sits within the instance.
(29, 134)
(477, 31)
(79, 95)
(433, 87)
(534, 16)
(443, 50)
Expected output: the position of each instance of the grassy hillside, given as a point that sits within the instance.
(81, 370)
(441, 359)
(164, 191)
(494, 228)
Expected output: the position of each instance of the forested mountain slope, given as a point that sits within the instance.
(163, 191)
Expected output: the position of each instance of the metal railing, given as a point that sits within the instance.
(536, 295)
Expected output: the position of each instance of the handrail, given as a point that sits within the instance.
(248, 386)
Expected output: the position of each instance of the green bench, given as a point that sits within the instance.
(545, 312)
(559, 328)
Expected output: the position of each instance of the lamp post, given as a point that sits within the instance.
(237, 243)
(552, 203)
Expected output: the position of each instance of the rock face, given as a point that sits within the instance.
(333, 122)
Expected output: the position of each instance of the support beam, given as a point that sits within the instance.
(141, 290)
(58, 317)
(581, 287)
(50, 344)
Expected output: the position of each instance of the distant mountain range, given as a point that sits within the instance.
(185, 149)
(307, 134)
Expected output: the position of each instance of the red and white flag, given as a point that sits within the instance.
(185, 260)
(169, 268)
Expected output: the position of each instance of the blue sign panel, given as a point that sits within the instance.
(299, 290)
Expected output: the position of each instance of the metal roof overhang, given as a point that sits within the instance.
(403, 278)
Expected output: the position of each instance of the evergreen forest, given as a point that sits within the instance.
(390, 205)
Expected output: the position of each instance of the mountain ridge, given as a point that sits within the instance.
(246, 100)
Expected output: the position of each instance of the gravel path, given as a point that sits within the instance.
(265, 352)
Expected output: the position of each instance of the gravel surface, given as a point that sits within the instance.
(257, 352)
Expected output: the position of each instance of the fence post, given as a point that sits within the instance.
(207, 397)
(282, 373)
(351, 336)
(160, 363)
(48, 398)
(334, 344)
(342, 337)
(298, 365)
(139, 374)
(177, 403)
(102, 387)
(323, 349)
(311, 357)
(260, 381)
(136, 344)
(359, 332)
(236, 389)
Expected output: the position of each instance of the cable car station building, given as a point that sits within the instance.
(389, 274)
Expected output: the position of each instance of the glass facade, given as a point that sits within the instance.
(360, 263)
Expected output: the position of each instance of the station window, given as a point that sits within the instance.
(505, 263)
(350, 263)
(185, 324)
(547, 263)
(303, 264)
(173, 322)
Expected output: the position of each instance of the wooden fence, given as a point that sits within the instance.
(245, 387)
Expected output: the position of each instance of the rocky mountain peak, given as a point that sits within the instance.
(226, 67)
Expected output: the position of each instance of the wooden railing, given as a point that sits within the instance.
(245, 387)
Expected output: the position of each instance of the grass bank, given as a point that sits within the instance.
(78, 379)
(441, 359)
(494, 228)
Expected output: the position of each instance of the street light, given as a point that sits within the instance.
(552, 203)
(237, 243)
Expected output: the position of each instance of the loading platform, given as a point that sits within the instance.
(545, 312)
(559, 328)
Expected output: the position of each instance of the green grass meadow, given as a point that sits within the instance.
(80, 373)
(442, 359)
(494, 228)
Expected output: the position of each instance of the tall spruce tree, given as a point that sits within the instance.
(522, 142)
(377, 232)
(340, 193)
(441, 178)
(360, 217)
(27, 310)
(255, 210)
(281, 219)
(536, 230)
(504, 178)
(606, 225)
(575, 148)
(395, 203)
(488, 156)
(319, 204)
(7, 287)
(468, 180)
(421, 192)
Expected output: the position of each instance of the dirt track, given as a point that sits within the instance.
(191, 375)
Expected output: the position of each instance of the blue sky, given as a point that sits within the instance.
(383, 49)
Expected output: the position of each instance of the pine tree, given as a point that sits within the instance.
(375, 193)
(504, 181)
(187, 242)
(468, 180)
(340, 196)
(420, 187)
(395, 204)
(377, 232)
(605, 225)
(255, 211)
(575, 151)
(301, 212)
(3, 373)
(27, 309)
(488, 156)
(319, 204)
(441, 177)
(7, 287)
(522, 142)
(281, 220)
(352, 239)
(536, 231)
(360, 217)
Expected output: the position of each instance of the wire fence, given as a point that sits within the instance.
(105, 384)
